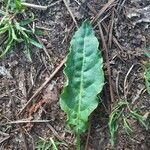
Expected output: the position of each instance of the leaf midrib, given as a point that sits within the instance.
(81, 81)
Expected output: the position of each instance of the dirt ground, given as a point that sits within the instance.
(125, 34)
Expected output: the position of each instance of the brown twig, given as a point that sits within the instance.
(113, 37)
(68, 33)
(111, 30)
(26, 121)
(91, 8)
(117, 84)
(102, 19)
(3, 133)
(24, 138)
(34, 81)
(35, 6)
(107, 62)
(56, 134)
(44, 48)
(106, 28)
(42, 86)
(120, 6)
(71, 14)
(125, 81)
(88, 135)
(43, 28)
(4, 139)
(104, 8)
(33, 142)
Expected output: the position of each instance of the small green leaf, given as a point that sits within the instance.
(21, 29)
(33, 42)
(2, 13)
(147, 52)
(43, 144)
(26, 22)
(19, 6)
(120, 104)
(4, 29)
(54, 145)
(13, 34)
(147, 79)
(39, 32)
(9, 45)
(126, 125)
(115, 117)
(85, 78)
(140, 118)
(114, 123)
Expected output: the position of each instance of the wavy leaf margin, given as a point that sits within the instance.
(84, 78)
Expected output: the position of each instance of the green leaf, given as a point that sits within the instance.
(9, 45)
(33, 42)
(13, 33)
(147, 51)
(85, 78)
(140, 118)
(26, 22)
(19, 6)
(43, 145)
(39, 32)
(54, 145)
(2, 13)
(120, 104)
(126, 126)
(21, 29)
(113, 124)
(115, 117)
(14, 6)
(147, 79)
(4, 29)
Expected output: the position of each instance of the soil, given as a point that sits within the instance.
(128, 23)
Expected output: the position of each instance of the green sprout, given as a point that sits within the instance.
(15, 31)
